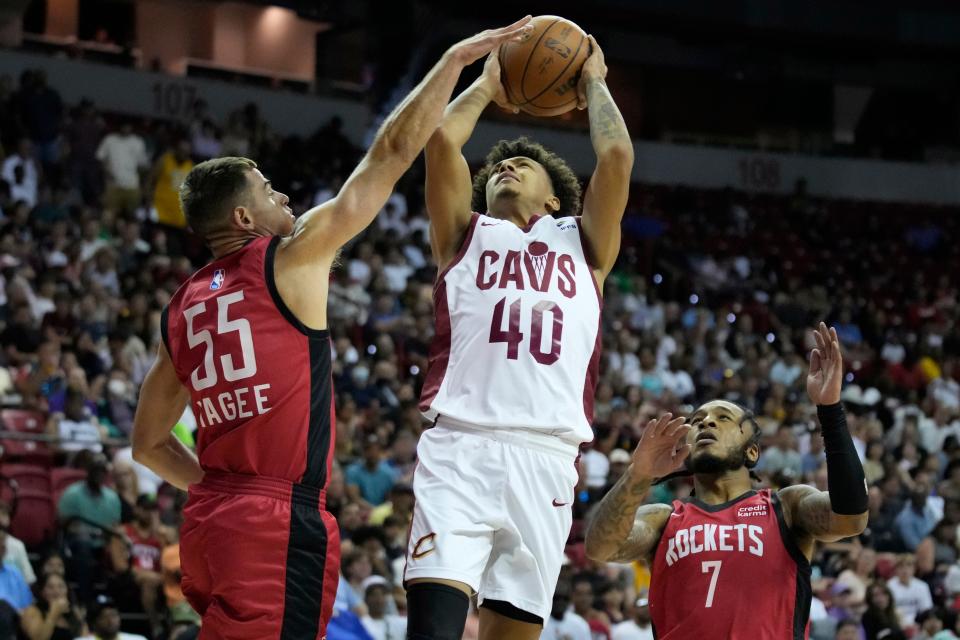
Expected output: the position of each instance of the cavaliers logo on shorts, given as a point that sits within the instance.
(425, 546)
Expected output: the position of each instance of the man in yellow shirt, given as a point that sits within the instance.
(168, 173)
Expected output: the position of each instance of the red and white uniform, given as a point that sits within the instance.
(259, 553)
(518, 331)
(729, 572)
(144, 551)
(510, 387)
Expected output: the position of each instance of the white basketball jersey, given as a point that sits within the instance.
(517, 330)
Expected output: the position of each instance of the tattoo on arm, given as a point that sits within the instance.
(815, 514)
(611, 532)
(606, 123)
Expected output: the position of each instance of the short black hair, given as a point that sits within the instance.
(99, 605)
(583, 578)
(566, 185)
(211, 190)
(935, 612)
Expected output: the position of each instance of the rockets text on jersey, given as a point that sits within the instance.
(716, 566)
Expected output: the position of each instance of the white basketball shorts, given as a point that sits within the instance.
(493, 510)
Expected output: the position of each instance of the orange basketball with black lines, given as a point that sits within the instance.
(540, 73)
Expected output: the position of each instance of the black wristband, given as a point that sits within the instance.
(845, 479)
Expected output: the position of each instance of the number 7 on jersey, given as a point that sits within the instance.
(705, 567)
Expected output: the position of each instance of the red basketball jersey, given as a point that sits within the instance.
(259, 380)
(144, 552)
(729, 572)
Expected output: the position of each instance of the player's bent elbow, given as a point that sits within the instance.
(596, 550)
(138, 454)
(141, 450)
(848, 526)
(619, 154)
(441, 142)
(858, 523)
(394, 148)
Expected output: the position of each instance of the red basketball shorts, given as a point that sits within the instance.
(260, 558)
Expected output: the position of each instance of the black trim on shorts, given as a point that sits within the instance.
(804, 592)
(305, 566)
(270, 278)
(512, 611)
(164, 330)
(320, 429)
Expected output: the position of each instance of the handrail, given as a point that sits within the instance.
(46, 437)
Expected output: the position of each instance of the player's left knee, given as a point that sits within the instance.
(435, 611)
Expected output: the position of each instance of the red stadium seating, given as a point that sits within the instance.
(26, 451)
(63, 477)
(23, 420)
(29, 477)
(35, 519)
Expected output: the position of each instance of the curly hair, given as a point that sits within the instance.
(566, 185)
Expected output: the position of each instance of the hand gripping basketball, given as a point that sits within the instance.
(594, 67)
(662, 448)
(475, 47)
(491, 77)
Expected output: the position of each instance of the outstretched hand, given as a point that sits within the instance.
(826, 367)
(662, 448)
(468, 51)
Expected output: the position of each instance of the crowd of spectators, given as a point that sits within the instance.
(712, 298)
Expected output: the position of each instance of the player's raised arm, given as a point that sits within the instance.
(606, 196)
(320, 232)
(448, 185)
(622, 530)
(841, 512)
(162, 401)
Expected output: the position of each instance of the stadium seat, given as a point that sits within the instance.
(577, 554)
(8, 490)
(63, 477)
(23, 420)
(578, 531)
(29, 477)
(26, 451)
(35, 519)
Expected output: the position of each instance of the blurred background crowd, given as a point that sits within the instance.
(713, 297)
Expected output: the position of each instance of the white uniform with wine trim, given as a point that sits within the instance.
(510, 387)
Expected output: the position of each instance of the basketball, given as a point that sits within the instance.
(541, 72)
